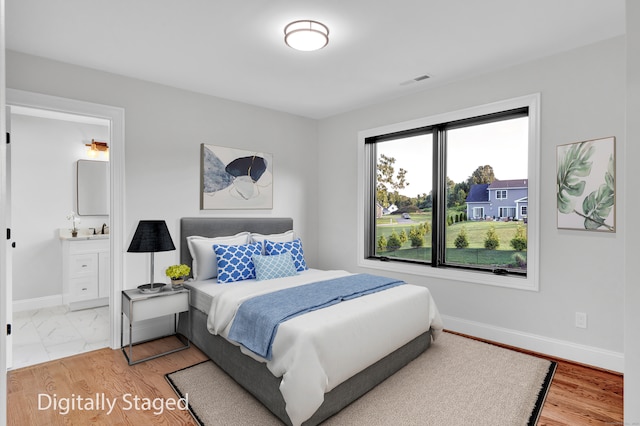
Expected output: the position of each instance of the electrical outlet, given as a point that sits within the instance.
(581, 320)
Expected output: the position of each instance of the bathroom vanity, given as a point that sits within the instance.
(85, 270)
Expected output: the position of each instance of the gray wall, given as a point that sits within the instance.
(582, 97)
(164, 128)
(632, 203)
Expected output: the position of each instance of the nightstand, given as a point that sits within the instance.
(138, 307)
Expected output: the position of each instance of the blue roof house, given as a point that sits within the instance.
(500, 200)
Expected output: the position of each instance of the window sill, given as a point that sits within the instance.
(528, 283)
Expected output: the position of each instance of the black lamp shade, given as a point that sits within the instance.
(151, 236)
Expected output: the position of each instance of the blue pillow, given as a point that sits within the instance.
(235, 262)
(294, 247)
(270, 267)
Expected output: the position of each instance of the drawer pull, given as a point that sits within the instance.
(84, 289)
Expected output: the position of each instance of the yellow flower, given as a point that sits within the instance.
(177, 271)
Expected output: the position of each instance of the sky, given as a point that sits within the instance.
(502, 145)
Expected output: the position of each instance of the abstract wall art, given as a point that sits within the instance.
(233, 178)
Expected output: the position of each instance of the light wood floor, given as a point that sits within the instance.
(102, 372)
(578, 395)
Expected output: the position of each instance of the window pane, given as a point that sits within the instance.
(404, 169)
(487, 195)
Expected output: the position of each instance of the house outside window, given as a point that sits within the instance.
(507, 213)
(477, 213)
(432, 171)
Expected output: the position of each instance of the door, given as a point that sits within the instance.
(5, 281)
(9, 244)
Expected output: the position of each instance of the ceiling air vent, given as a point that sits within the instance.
(415, 80)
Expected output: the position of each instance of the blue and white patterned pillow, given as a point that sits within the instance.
(294, 247)
(277, 266)
(235, 262)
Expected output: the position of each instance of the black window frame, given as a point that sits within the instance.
(439, 191)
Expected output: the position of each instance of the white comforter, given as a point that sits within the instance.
(317, 351)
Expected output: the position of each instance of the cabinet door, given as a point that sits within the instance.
(84, 264)
(104, 274)
(83, 288)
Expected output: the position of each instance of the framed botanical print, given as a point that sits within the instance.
(586, 185)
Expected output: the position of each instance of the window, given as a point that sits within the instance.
(478, 213)
(426, 188)
(507, 212)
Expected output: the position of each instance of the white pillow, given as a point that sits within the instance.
(205, 265)
(285, 237)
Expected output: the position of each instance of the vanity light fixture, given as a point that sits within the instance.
(306, 35)
(95, 147)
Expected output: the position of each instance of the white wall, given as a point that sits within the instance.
(632, 202)
(582, 97)
(164, 128)
(43, 179)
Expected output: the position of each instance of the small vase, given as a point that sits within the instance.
(176, 283)
(74, 233)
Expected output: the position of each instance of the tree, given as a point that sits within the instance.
(424, 227)
(492, 241)
(416, 236)
(461, 241)
(388, 181)
(424, 201)
(403, 237)
(393, 242)
(519, 241)
(456, 193)
(382, 243)
(483, 174)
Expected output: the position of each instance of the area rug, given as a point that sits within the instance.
(457, 381)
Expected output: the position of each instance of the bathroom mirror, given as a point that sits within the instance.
(93, 188)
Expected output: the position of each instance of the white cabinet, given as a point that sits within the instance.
(85, 272)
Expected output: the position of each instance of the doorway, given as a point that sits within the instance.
(114, 119)
(47, 151)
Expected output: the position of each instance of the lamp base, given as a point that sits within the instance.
(151, 288)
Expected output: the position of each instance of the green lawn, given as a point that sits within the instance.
(476, 234)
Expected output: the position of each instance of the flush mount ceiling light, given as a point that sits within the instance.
(306, 35)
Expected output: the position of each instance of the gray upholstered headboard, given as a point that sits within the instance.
(220, 227)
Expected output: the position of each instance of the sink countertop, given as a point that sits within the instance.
(83, 234)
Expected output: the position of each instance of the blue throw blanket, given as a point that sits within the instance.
(258, 318)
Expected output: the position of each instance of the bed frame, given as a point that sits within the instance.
(254, 376)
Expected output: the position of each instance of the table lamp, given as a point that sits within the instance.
(151, 236)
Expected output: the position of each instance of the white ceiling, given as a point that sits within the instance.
(235, 49)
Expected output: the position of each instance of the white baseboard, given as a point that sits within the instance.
(37, 303)
(91, 303)
(590, 355)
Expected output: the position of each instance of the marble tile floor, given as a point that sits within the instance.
(56, 332)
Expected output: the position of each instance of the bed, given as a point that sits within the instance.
(380, 352)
